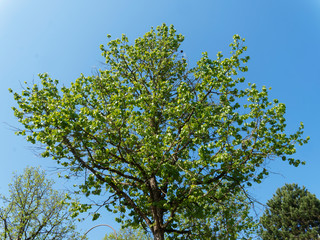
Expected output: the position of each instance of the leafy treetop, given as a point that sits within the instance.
(159, 136)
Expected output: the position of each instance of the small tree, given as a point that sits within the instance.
(292, 213)
(232, 221)
(34, 210)
(159, 136)
(128, 234)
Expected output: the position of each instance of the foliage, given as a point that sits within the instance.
(128, 234)
(34, 210)
(292, 213)
(158, 136)
(232, 221)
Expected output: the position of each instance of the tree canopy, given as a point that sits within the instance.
(34, 210)
(292, 213)
(170, 143)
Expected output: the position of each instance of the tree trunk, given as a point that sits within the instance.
(158, 234)
(157, 230)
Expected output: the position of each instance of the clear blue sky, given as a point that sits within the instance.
(63, 37)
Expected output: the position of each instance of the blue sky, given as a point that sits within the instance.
(63, 38)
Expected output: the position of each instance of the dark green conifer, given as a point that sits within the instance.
(292, 213)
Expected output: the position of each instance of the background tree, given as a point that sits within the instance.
(232, 221)
(168, 142)
(292, 213)
(128, 233)
(34, 210)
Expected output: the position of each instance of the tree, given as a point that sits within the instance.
(232, 221)
(168, 142)
(292, 213)
(34, 210)
(128, 234)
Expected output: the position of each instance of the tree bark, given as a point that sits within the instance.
(157, 212)
(158, 234)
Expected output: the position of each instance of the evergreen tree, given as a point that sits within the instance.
(292, 213)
